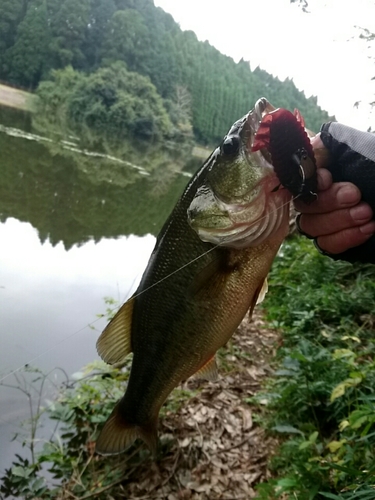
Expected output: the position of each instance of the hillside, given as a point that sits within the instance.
(195, 81)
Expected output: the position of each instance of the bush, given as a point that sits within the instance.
(113, 102)
(322, 395)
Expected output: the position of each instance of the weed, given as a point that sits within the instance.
(321, 401)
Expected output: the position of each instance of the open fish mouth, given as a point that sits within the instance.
(242, 225)
(237, 206)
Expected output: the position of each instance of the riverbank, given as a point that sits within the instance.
(16, 98)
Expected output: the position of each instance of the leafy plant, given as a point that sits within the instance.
(322, 391)
(68, 459)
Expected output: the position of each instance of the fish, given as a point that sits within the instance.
(209, 268)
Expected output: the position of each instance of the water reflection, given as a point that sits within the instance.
(49, 297)
(72, 194)
(77, 225)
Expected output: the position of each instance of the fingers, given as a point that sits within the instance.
(335, 221)
(316, 142)
(321, 153)
(335, 197)
(348, 238)
(338, 220)
(324, 179)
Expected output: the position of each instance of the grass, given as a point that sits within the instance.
(321, 401)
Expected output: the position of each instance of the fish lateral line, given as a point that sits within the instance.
(211, 249)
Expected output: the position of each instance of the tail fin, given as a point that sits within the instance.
(117, 435)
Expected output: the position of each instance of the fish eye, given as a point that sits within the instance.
(231, 145)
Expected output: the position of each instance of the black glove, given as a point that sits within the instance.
(353, 160)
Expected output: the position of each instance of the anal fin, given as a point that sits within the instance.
(208, 371)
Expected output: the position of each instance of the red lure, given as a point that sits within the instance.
(283, 135)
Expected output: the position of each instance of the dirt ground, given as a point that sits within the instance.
(16, 98)
(220, 451)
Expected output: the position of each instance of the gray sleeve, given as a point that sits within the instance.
(353, 160)
(358, 141)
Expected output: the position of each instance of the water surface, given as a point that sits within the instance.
(77, 224)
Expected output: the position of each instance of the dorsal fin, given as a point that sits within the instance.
(114, 344)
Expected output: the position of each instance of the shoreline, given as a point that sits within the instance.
(16, 98)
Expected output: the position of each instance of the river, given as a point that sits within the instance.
(77, 224)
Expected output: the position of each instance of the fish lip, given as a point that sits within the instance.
(262, 107)
(219, 227)
(227, 212)
(244, 234)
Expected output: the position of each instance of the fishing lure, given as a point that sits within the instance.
(282, 134)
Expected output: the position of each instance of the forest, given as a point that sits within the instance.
(167, 84)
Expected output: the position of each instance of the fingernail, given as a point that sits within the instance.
(368, 228)
(347, 195)
(360, 213)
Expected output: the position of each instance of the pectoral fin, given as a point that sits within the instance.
(114, 344)
(208, 371)
(259, 296)
(262, 292)
(209, 282)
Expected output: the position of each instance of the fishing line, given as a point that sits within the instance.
(48, 350)
(4, 422)
(208, 251)
(134, 296)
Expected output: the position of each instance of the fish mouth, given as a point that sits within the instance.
(261, 108)
(246, 213)
(240, 226)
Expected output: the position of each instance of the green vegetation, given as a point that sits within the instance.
(322, 395)
(112, 102)
(170, 84)
(80, 410)
(320, 401)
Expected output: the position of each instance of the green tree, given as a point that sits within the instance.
(112, 101)
(55, 95)
(68, 20)
(11, 14)
(97, 27)
(120, 102)
(127, 39)
(92, 34)
(179, 111)
(28, 59)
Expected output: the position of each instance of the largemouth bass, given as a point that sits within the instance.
(208, 268)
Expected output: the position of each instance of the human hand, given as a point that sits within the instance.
(338, 219)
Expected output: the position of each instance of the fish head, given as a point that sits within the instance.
(237, 203)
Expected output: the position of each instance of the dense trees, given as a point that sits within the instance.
(111, 101)
(37, 36)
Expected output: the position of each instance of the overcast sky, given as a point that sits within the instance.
(320, 50)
